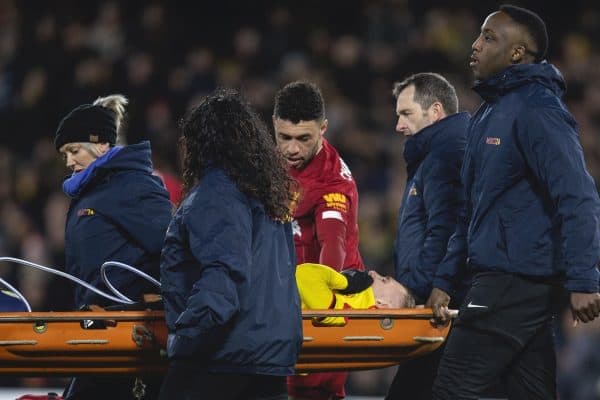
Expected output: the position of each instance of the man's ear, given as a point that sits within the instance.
(324, 126)
(518, 53)
(437, 111)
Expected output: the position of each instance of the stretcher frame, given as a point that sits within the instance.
(133, 342)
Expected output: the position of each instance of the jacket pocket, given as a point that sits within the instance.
(529, 246)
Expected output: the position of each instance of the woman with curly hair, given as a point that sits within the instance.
(228, 262)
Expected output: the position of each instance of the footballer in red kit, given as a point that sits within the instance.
(324, 225)
(325, 214)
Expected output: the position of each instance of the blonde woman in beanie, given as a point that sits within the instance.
(119, 212)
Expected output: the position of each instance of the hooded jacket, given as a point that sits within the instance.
(531, 206)
(121, 214)
(227, 274)
(432, 199)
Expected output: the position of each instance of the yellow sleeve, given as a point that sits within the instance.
(357, 301)
(316, 283)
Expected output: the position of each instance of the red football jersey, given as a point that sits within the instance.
(328, 198)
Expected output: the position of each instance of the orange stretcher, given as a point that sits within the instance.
(133, 342)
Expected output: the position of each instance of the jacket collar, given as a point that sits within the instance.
(514, 76)
(133, 157)
(435, 135)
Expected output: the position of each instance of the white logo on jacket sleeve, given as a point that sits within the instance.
(330, 214)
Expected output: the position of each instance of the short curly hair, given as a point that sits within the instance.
(224, 131)
(299, 101)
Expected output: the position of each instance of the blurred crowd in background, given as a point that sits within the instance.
(165, 55)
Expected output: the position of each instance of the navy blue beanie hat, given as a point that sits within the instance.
(87, 123)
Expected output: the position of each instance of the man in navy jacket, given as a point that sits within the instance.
(427, 109)
(530, 222)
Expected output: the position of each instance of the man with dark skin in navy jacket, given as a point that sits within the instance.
(530, 222)
(427, 110)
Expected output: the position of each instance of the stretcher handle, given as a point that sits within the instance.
(395, 313)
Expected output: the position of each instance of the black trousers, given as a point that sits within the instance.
(504, 331)
(414, 378)
(112, 387)
(186, 383)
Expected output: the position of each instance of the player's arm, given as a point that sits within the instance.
(331, 219)
(550, 144)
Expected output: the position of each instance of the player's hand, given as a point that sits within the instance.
(357, 281)
(438, 301)
(585, 307)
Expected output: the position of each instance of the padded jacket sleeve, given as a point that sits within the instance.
(442, 196)
(220, 239)
(449, 270)
(144, 212)
(550, 145)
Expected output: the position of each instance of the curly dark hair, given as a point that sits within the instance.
(299, 101)
(225, 132)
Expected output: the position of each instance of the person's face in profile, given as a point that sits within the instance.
(494, 49)
(411, 116)
(300, 142)
(389, 293)
(78, 156)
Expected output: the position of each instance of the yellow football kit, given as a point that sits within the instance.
(318, 285)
